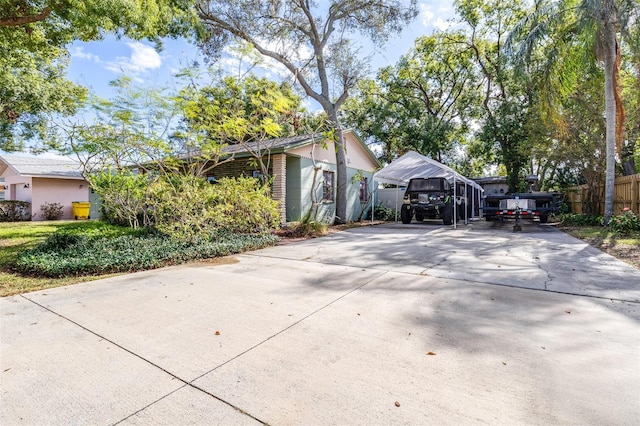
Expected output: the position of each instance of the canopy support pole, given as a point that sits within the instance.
(455, 204)
(373, 196)
(397, 189)
(466, 203)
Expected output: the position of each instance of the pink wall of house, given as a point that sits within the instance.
(61, 191)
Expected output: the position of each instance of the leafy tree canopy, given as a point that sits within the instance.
(34, 35)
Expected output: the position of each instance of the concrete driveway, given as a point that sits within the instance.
(389, 324)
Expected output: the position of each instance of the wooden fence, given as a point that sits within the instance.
(626, 194)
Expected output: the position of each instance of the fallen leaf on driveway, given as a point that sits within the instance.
(568, 312)
(217, 333)
(431, 353)
(397, 404)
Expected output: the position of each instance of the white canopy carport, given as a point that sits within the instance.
(414, 165)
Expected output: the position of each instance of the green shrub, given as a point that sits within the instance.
(626, 223)
(124, 196)
(384, 213)
(15, 211)
(70, 254)
(51, 211)
(187, 207)
(244, 205)
(572, 219)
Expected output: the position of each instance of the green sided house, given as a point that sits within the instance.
(291, 163)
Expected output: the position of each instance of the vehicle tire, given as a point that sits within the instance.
(488, 218)
(419, 217)
(544, 219)
(447, 214)
(405, 214)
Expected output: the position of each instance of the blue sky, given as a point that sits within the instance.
(95, 64)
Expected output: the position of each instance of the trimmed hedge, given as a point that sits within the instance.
(72, 254)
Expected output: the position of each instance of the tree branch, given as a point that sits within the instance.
(16, 21)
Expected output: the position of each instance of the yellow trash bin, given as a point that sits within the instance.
(81, 209)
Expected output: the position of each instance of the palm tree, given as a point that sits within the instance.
(569, 23)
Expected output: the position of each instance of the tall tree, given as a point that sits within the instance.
(600, 22)
(423, 103)
(315, 43)
(34, 36)
(507, 93)
(630, 156)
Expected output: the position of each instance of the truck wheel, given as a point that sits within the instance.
(544, 219)
(447, 214)
(405, 215)
(419, 217)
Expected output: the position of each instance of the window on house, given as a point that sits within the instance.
(364, 186)
(327, 186)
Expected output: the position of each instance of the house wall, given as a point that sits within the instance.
(357, 156)
(279, 187)
(15, 184)
(294, 189)
(293, 183)
(300, 178)
(299, 184)
(234, 168)
(61, 191)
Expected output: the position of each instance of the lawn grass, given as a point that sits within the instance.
(19, 236)
(88, 250)
(623, 247)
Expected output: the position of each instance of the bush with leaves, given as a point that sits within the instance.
(626, 223)
(244, 205)
(383, 213)
(15, 211)
(51, 211)
(123, 195)
(187, 208)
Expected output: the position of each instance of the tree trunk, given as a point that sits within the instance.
(617, 92)
(609, 44)
(341, 167)
(628, 150)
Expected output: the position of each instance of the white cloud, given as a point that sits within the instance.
(143, 58)
(426, 14)
(442, 24)
(78, 52)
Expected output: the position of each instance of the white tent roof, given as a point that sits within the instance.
(414, 165)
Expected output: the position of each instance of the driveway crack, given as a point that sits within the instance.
(190, 383)
(185, 382)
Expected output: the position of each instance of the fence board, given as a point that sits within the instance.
(626, 195)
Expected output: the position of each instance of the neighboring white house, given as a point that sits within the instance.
(43, 179)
